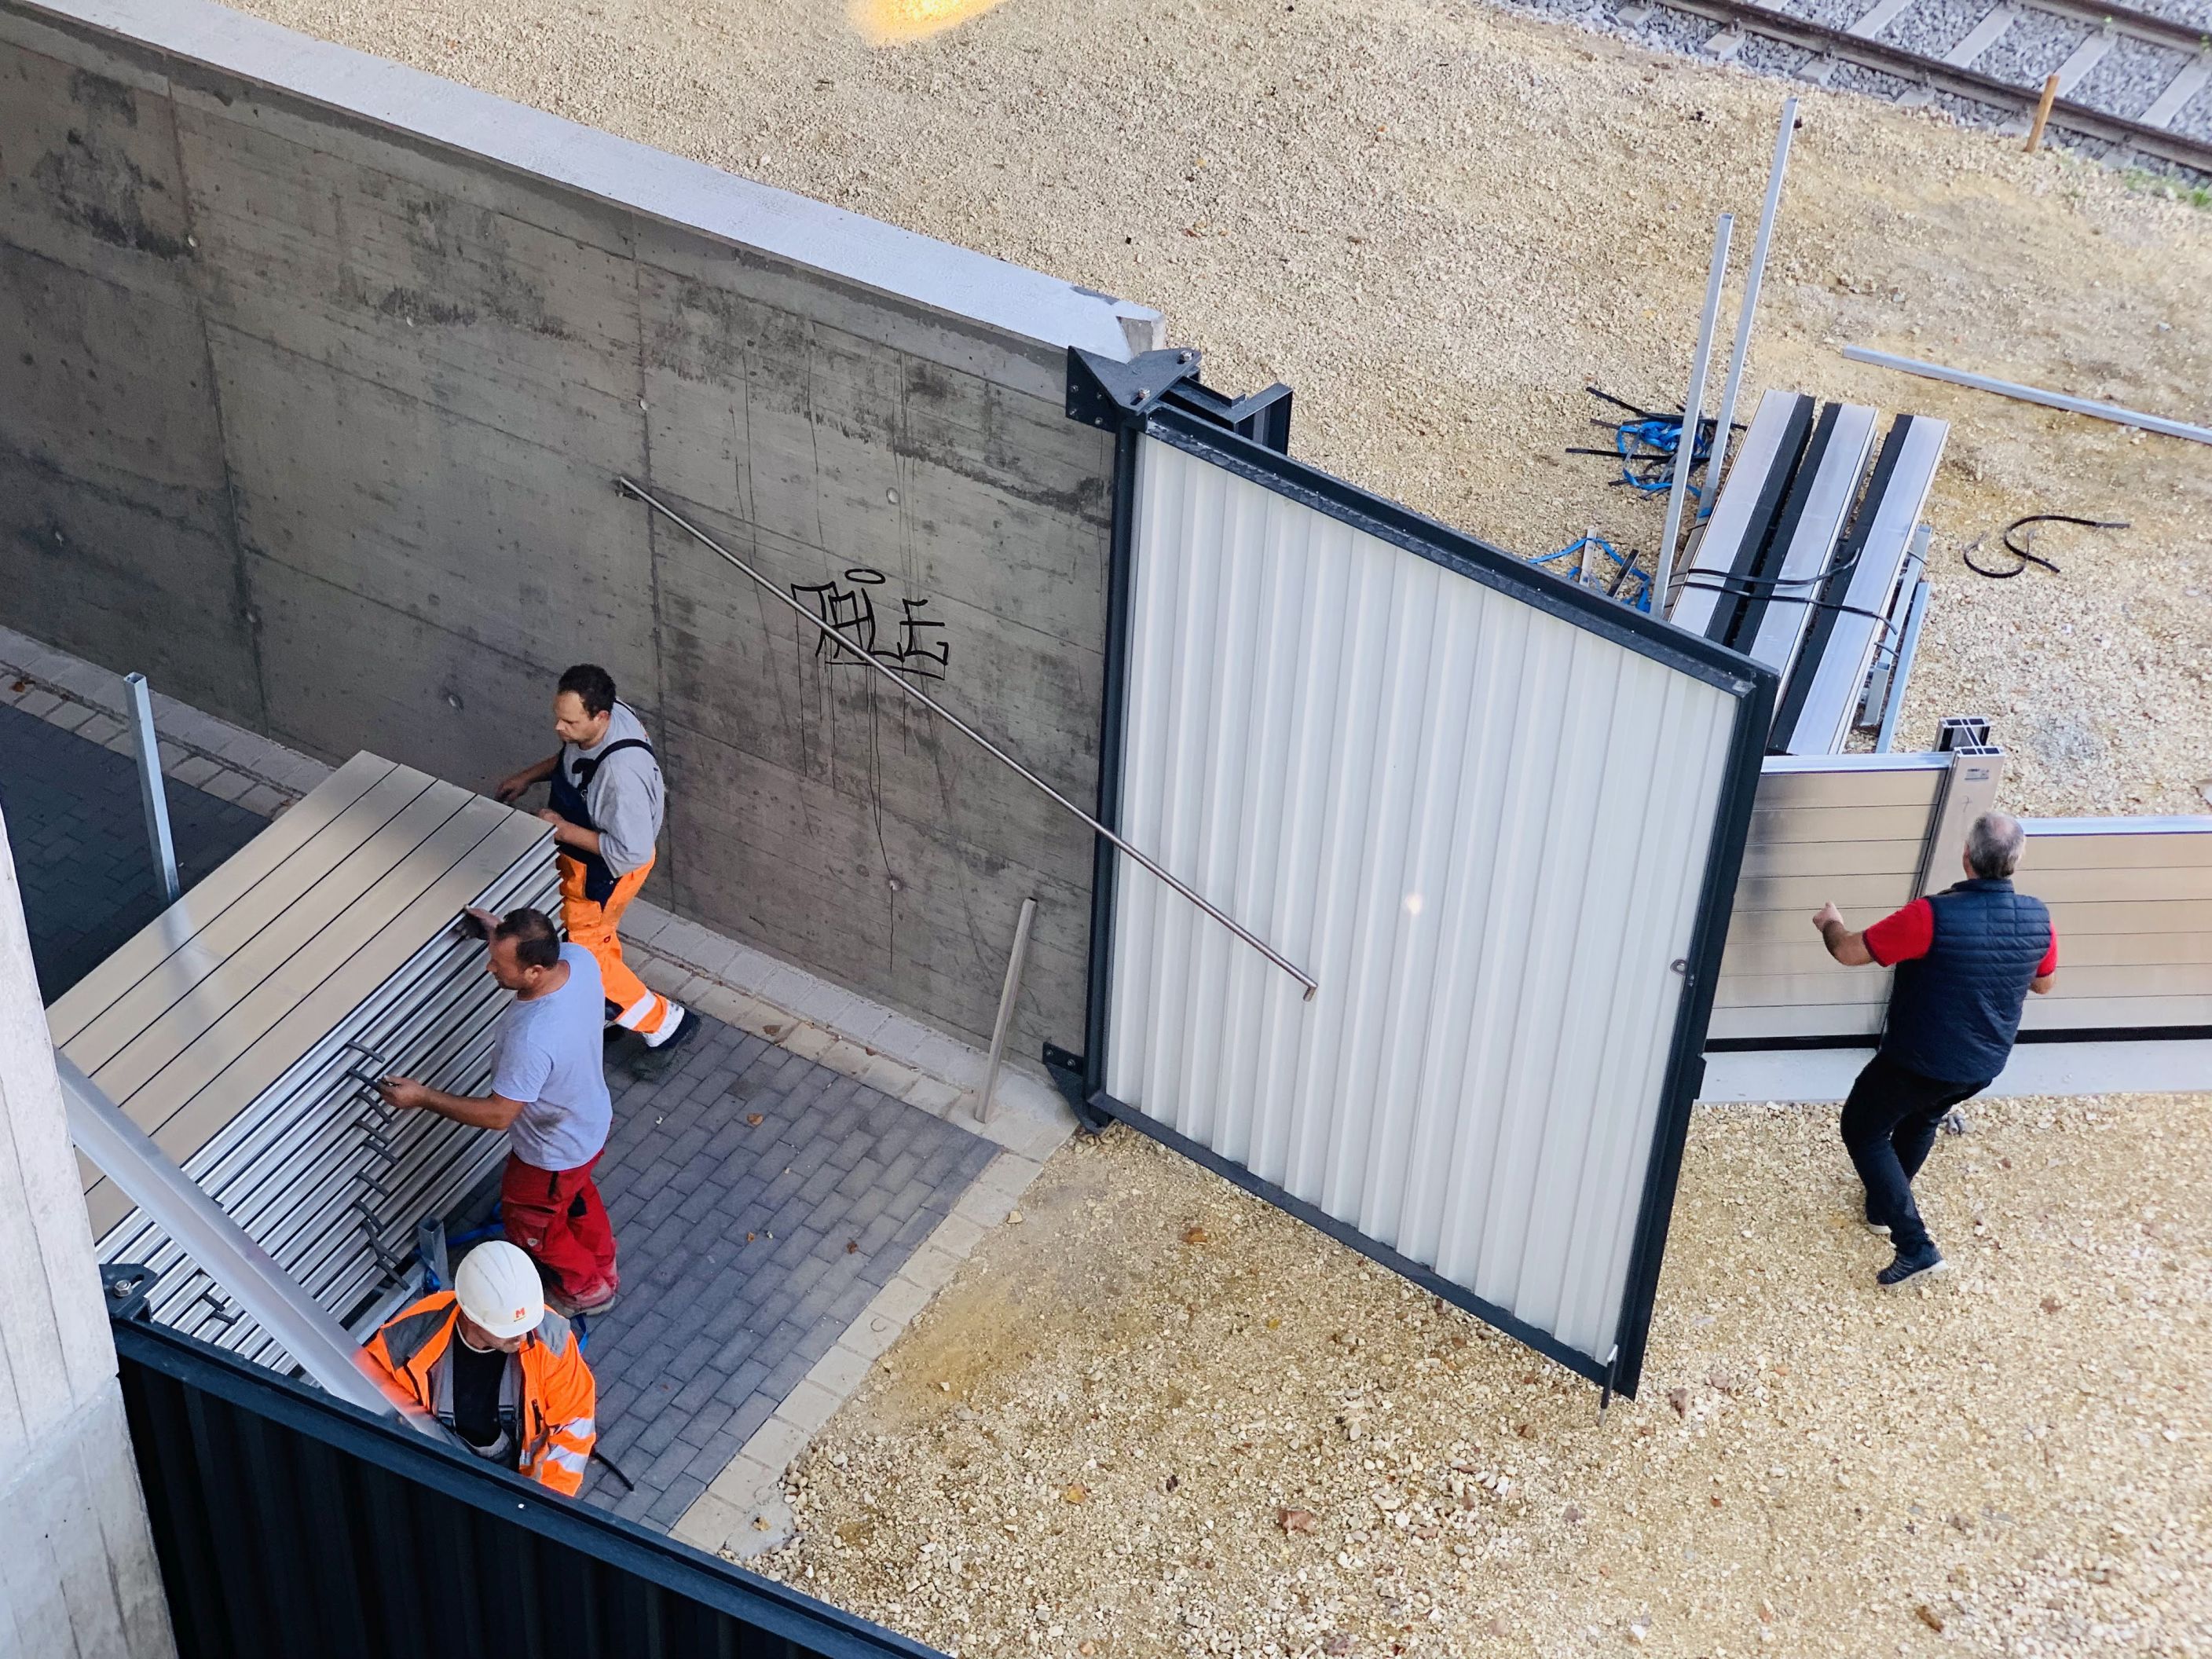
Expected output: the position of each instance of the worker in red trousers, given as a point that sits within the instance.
(549, 1092)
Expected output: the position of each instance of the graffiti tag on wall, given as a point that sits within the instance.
(917, 648)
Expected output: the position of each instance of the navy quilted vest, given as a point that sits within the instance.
(1953, 1013)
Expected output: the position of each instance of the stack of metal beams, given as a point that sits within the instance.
(243, 1031)
(1807, 564)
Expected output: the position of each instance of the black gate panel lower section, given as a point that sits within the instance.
(288, 1524)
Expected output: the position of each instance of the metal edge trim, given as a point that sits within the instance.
(719, 1585)
(1456, 550)
(2048, 1034)
(1685, 1067)
(1351, 1238)
(1112, 718)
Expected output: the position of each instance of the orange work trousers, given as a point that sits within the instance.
(638, 1006)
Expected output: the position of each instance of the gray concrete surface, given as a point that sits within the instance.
(78, 1575)
(88, 876)
(747, 1249)
(310, 405)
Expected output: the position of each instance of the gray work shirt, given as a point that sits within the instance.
(551, 1058)
(625, 796)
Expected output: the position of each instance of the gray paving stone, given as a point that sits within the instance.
(712, 1332)
(79, 836)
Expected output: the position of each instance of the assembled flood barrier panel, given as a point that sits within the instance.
(244, 1028)
(1498, 819)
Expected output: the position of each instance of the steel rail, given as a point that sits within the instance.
(839, 642)
(2076, 118)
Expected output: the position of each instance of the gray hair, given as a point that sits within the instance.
(1994, 845)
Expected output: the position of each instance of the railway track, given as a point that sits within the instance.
(2134, 86)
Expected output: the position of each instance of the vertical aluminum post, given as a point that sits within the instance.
(1693, 409)
(1008, 994)
(152, 790)
(1752, 278)
(1901, 671)
(1970, 789)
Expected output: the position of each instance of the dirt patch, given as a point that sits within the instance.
(1438, 220)
(1159, 1417)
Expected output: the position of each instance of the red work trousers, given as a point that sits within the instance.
(556, 1217)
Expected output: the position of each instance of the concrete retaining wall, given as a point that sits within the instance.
(315, 372)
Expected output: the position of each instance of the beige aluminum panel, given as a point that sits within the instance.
(1835, 988)
(2061, 888)
(2115, 844)
(1862, 899)
(1472, 821)
(1864, 1020)
(2129, 916)
(2098, 982)
(1851, 781)
(2085, 950)
(210, 898)
(1772, 860)
(2055, 1013)
(1840, 825)
(200, 978)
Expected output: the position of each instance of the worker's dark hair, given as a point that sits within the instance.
(593, 686)
(536, 942)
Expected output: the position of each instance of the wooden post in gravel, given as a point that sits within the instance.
(2042, 113)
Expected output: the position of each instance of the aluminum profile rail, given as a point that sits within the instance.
(1817, 707)
(242, 1032)
(1743, 516)
(1775, 620)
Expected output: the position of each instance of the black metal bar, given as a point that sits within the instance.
(1685, 1064)
(1353, 1239)
(246, 1472)
(1868, 1041)
(1098, 983)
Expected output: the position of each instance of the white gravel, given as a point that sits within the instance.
(1159, 1419)
(2129, 78)
(1932, 27)
(1438, 220)
(2032, 49)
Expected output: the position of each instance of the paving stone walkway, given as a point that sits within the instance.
(78, 832)
(747, 1248)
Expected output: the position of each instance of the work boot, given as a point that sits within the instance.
(1874, 1223)
(1923, 1264)
(657, 1057)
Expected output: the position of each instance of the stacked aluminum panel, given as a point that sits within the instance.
(242, 1030)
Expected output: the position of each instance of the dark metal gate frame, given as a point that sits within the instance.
(288, 1524)
(1158, 396)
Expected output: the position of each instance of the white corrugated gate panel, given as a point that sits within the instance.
(1483, 829)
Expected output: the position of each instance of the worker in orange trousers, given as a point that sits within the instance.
(608, 800)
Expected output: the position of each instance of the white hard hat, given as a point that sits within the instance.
(498, 1287)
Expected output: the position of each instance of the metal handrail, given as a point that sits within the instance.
(841, 642)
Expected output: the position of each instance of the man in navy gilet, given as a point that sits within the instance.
(1966, 958)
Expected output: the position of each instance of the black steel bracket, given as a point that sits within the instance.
(1111, 395)
(127, 1285)
(1069, 1074)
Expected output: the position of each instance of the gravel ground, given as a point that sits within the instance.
(1933, 26)
(2129, 78)
(2197, 12)
(2032, 48)
(1438, 220)
(2194, 118)
(1159, 1418)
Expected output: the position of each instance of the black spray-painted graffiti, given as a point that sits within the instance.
(849, 612)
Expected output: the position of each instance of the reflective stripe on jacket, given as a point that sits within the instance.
(551, 1387)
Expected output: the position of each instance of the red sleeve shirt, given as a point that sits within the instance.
(1910, 933)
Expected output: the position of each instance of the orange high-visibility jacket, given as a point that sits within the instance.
(548, 1387)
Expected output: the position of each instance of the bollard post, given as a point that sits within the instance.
(152, 789)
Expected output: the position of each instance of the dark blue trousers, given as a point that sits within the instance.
(1889, 1125)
